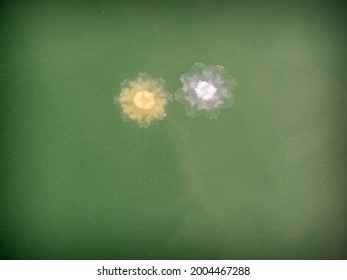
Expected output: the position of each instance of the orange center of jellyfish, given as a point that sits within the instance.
(144, 100)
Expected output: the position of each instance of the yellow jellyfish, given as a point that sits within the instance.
(143, 99)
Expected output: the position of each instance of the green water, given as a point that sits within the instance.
(266, 180)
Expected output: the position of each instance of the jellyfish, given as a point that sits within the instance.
(143, 99)
(206, 90)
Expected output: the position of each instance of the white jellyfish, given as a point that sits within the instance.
(206, 89)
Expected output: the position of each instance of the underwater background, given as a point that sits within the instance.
(265, 180)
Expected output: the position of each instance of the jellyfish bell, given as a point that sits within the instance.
(143, 99)
(206, 90)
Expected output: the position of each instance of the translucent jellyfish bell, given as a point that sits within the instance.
(205, 90)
